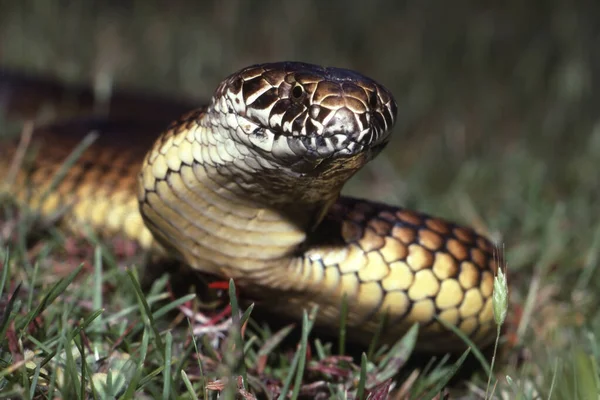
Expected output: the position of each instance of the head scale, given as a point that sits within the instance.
(302, 114)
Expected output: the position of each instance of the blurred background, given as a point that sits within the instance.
(498, 103)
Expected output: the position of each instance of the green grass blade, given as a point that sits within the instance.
(397, 356)
(132, 386)
(307, 324)
(147, 313)
(270, 344)
(237, 325)
(235, 309)
(167, 366)
(362, 380)
(439, 386)
(34, 381)
(343, 321)
(586, 372)
(376, 336)
(97, 283)
(71, 159)
(7, 313)
(52, 294)
(476, 352)
(300, 353)
(5, 271)
(320, 349)
(188, 385)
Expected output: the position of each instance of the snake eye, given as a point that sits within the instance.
(297, 92)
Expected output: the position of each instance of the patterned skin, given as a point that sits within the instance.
(248, 187)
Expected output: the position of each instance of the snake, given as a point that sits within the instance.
(248, 187)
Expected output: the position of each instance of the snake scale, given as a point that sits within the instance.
(248, 187)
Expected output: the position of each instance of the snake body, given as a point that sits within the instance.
(248, 187)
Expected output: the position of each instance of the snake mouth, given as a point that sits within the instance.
(304, 153)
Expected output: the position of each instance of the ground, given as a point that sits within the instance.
(498, 129)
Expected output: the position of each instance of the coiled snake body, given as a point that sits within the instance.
(248, 187)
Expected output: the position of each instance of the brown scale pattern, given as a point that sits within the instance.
(98, 191)
(412, 267)
(388, 261)
(392, 260)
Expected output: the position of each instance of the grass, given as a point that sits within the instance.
(69, 345)
(498, 129)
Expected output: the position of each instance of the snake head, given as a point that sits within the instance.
(301, 115)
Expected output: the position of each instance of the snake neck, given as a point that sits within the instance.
(223, 208)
